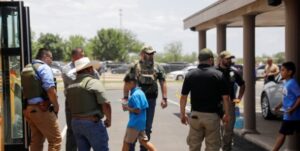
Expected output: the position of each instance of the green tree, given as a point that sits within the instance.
(114, 44)
(54, 43)
(279, 57)
(74, 41)
(173, 50)
(34, 44)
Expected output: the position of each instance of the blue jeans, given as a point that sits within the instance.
(150, 116)
(90, 134)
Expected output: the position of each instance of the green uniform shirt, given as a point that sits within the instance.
(86, 95)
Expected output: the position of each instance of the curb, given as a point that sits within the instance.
(251, 138)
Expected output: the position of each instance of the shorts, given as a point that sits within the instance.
(289, 127)
(132, 135)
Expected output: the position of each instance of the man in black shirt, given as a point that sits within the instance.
(206, 85)
(233, 78)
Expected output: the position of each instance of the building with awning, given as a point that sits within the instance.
(249, 14)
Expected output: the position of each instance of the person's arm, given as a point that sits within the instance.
(52, 94)
(241, 91)
(186, 88)
(163, 85)
(48, 84)
(183, 115)
(294, 107)
(275, 72)
(95, 86)
(226, 106)
(278, 106)
(242, 85)
(106, 108)
(133, 110)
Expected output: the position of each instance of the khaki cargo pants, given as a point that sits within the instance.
(43, 125)
(204, 125)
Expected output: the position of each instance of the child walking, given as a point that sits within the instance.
(137, 104)
(290, 104)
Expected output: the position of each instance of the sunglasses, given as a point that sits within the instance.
(149, 54)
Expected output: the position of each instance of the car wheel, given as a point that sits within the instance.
(265, 107)
(179, 77)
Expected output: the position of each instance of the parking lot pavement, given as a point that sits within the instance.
(168, 132)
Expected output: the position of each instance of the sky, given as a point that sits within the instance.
(154, 22)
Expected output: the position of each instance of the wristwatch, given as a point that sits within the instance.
(165, 99)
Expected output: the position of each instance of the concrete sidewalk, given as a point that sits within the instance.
(267, 132)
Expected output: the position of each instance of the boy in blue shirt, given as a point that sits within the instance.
(290, 104)
(137, 105)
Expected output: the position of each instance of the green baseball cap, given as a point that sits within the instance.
(205, 54)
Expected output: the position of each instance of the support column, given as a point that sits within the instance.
(292, 52)
(202, 39)
(249, 71)
(221, 38)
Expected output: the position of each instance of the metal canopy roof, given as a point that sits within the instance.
(230, 12)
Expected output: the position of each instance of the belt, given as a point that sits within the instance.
(92, 118)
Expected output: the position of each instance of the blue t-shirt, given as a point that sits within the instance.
(291, 92)
(137, 100)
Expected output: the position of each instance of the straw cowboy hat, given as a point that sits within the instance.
(84, 63)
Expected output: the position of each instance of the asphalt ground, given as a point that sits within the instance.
(168, 133)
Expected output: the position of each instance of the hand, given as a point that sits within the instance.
(164, 103)
(290, 111)
(125, 107)
(277, 108)
(184, 119)
(107, 123)
(56, 109)
(226, 119)
(236, 101)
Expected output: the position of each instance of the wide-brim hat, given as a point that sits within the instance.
(84, 63)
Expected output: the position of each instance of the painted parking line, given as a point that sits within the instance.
(64, 131)
(188, 108)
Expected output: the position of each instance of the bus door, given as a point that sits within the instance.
(14, 54)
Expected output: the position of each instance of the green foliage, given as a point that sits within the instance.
(279, 57)
(113, 44)
(74, 41)
(54, 43)
(173, 51)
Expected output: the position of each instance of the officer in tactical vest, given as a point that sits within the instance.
(39, 92)
(147, 73)
(88, 105)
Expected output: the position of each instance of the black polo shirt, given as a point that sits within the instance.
(232, 77)
(206, 85)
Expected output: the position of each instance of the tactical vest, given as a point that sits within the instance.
(147, 79)
(81, 101)
(31, 82)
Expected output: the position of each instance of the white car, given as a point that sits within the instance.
(271, 96)
(180, 74)
(260, 71)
